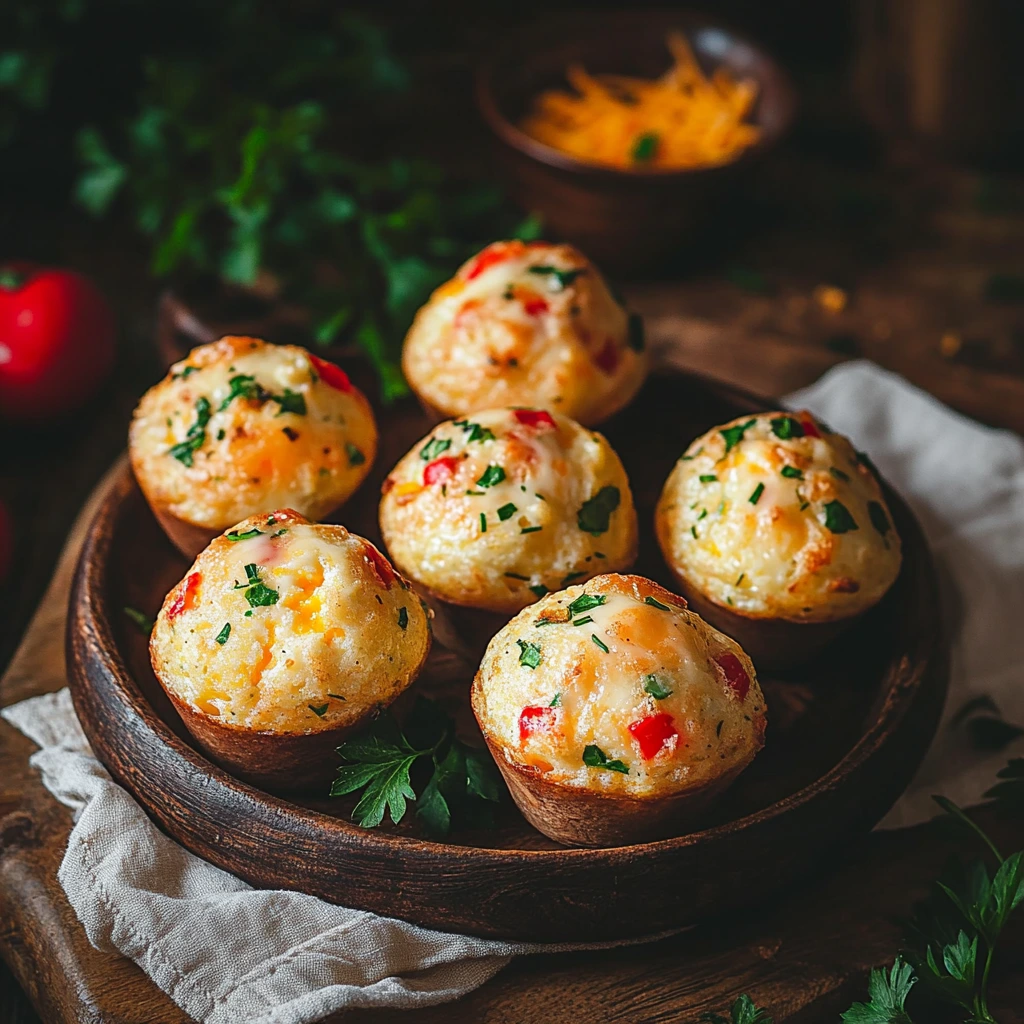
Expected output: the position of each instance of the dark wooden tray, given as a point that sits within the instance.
(845, 735)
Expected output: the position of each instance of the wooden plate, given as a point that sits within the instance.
(845, 736)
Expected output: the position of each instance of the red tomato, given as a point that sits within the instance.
(735, 674)
(56, 341)
(810, 427)
(6, 541)
(534, 418)
(652, 733)
(186, 595)
(381, 566)
(536, 719)
(440, 470)
(533, 304)
(331, 374)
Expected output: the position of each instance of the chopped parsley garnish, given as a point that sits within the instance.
(739, 579)
(507, 511)
(656, 603)
(234, 535)
(792, 473)
(141, 620)
(655, 687)
(186, 372)
(879, 520)
(539, 589)
(595, 757)
(838, 518)
(529, 654)
(786, 427)
(531, 529)
(703, 514)
(566, 580)
(257, 593)
(585, 602)
(290, 401)
(755, 497)
(559, 279)
(355, 455)
(600, 643)
(635, 337)
(645, 147)
(595, 512)
(556, 701)
(516, 576)
(244, 385)
(318, 709)
(839, 474)
(184, 451)
(583, 620)
(690, 458)
(733, 435)
(336, 696)
(474, 431)
(403, 617)
(708, 478)
(492, 476)
(434, 447)
(292, 435)
(222, 636)
(483, 522)
(804, 504)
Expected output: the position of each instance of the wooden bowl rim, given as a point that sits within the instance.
(89, 615)
(510, 133)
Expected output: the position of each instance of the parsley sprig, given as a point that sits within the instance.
(387, 763)
(743, 1011)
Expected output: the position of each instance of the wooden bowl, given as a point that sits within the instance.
(845, 735)
(625, 220)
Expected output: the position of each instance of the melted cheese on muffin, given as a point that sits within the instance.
(289, 626)
(526, 324)
(774, 516)
(496, 510)
(241, 426)
(616, 686)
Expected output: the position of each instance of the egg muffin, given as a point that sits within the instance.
(240, 427)
(778, 532)
(496, 510)
(614, 712)
(283, 637)
(526, 324)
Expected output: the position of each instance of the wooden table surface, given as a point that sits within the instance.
(926, 265)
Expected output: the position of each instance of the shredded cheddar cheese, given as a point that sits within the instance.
(682, 120)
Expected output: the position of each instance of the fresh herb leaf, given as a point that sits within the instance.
(492, 476)
(600, 643)
(539, 589)
(792, 473)
(259, 595)
(516, 576)
(887, 997)
(595, 757)
(529, 654)
(507, 511)
(567, 579)
(483, 522)
(531, 529)
(786, 427)
(222, 636)
(583, 621)
(234, 535)
(644, 148)
(474, 431)
(755, 497)
(733, 435)
(838, 518)
(743, 1011)
(839, 474)
(556, 701)
(141, 620)
(656, 604)
(585, 602)
(434, 447)
(184, 451)
(879, 520)
(655, 687)
(403, 617)
(318, 709)
(595, 513)
(291, 401)
(560, 279)
(243, 385)
(708, 478)
(355, 455)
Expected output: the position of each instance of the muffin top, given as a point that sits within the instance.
(775, 516)
(496, 510)
(241, 426)
(289, 626)
(616, 686)
(526, 323)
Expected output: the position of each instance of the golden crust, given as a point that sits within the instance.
(793, 527)
(259, 449)
(524, 324)
(638, 677)
(329, 636)
(486, 512)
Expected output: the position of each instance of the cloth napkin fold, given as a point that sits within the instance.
(225, 952)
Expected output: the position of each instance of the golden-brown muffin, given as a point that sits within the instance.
(774, 518)
(496, 510)
(284, 636)
(240, 427)
(614, 712)
(526, 324)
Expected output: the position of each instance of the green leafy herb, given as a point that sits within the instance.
(243, 386)
(539, 589)
(585, 602)
(792, 473)
(529, 654)
(531, 529)
(583, 620)
(474, 432)
(595, 513)
(434, 447)
(141, 620)
(556, 701)
(743, 1011)
(600, 643)
(492, 476)
(403, 617)
(355, 456)
(234, 535)
(336, 696)
(838, 518)
(462, 780)
(879, 520)
(483, 522)
(708, 478)
(657, 604)
(656, 688)
(739, 579)
(222, 636)
(786, 427)
(888, 993)
(567, 579)
(507, 511)
(690, 458)
(559, 279)
(733, 435)
(319, 709)
(755, 496)
(516, 576)
(291, 401)
(595, 757)
(184, 451)
(644, 148)
(257, 593)
(839, 474)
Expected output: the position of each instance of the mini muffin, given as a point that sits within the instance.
(494, 511)
(526, 324)
(614, 713)
(240, 427)
(778, 532)
(283, 637)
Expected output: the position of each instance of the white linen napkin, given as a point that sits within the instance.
(225, 952)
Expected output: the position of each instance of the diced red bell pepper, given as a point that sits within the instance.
(810, 427)
(608, 358)
(381, 566)
(186, 595)
(492, 255)
(534, 418)
(440, 470)
(652, 733)
(536, 719)
(534, 304)
(735, 674)
(331, 374)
